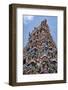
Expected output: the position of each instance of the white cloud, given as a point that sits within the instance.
(28, 18)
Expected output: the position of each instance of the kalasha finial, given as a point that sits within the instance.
(44, 23)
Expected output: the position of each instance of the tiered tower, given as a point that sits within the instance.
(40, 53)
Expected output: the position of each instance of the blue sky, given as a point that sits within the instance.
(30, 22)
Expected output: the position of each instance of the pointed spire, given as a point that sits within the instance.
(29, 34)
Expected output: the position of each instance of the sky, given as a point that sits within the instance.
(29, 22)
